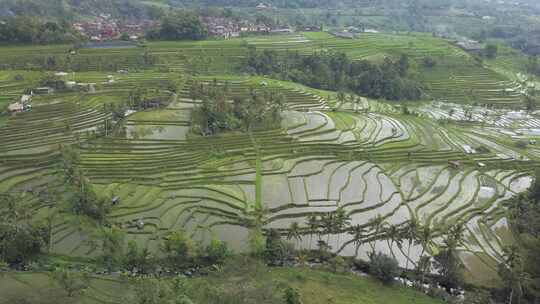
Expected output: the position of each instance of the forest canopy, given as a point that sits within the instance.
(180, 25)
(335, 71)
(217, 113)
(23, 29)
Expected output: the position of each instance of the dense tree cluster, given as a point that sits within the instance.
(524, 39)
(177, 251)
(383, 267)
(520, 269)
(21, 239)
(179, 25)
(490, 51)
(39, 8)
(533, 66)
(23, 29)
(335, 71)
(69, 9)
(78, 192)
(217, 113)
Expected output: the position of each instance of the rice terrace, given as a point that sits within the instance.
(164, 157)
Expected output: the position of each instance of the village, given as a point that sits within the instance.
(105, 28)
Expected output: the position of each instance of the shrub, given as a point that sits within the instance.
(71, 281)
(490, 51)
(482, 149)
(429, 62)
(338, 264)
(217, 251)
(20, 240)
(292, 296)
(522, 144)
(383, 267)
(141, 259)
(179, 248)
(276, 250)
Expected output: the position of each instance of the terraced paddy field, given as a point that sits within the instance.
(371, 162)
(462, 81)
(437, 166)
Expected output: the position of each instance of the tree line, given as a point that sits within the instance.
(23, 29)
(390, 80)
(70, 9)
(179, 25)
(324, 227)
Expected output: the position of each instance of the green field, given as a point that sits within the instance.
(261, 284)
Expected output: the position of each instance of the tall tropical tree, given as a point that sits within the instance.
(425, 264)
(409, 233)
(357, 103)
(424, 238)
(313, 223)
(511, 270)
(341, 97)
(327, 222)
(376, 224)
(341, 222)
(294, 233)
(358, 234)
(393, 236)
(447, 260)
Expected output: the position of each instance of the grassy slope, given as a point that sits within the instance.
(255, 282)
(319, 287)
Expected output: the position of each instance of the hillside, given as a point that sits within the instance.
(366, 153)
(257, 284)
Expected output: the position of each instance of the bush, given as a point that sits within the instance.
(522, 144)
(429, 62)
(217, 251)
(139, 259)
(72, 282)
(483, 149)
(179, 248)
(490, 51)
(384, 267)
(292, 296)
(276, 250)
(338, 264)
(21, 240)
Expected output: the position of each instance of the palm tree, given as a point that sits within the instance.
(410, 232)
(376, 224)
(424, 238)
(327, 221)
(341, 222)
(358, 234)
(357, 102)
(351, 100)
(393, 235)
(341, 97)
(512, 273)
(313, 224)
(457, 233)
(294, 233)
(424, 266)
